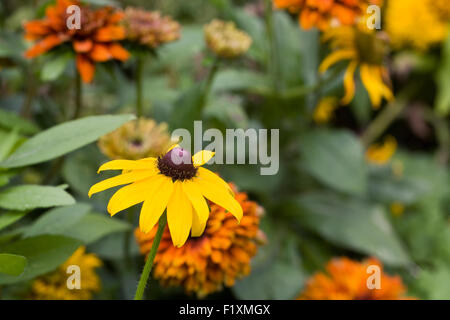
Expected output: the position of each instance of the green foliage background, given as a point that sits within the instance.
(326, 201)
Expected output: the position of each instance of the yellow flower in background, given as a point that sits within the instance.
(346, 279)
(362, 48)
(381, 153)
(225, 40)
(397, 208)
(417, 23)
(135, 140)
(53, 286)
(216, 259)
(325, 109)
(175, 181)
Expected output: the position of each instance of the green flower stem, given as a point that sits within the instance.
(382, 121)
(78, 96)
(272, 58)
(151, 256)
(139, 97)
(209, 82)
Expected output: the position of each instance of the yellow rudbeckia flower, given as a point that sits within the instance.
(364, 49)
(175, 181)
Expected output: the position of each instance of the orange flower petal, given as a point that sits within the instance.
(118, 52)
(83, 45)
(85, 67)
(100, 53)
(110, 33)
(44, 45)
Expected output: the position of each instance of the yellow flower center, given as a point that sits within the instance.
(371, 49)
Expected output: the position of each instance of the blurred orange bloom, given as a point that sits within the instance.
(96, 41)
(217, 258)
(322, 13)
(346, 279)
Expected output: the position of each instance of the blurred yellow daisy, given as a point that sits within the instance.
(381, 153)
(175, 181)
(366, 50)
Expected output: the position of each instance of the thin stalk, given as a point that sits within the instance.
(209, 82)
(78, 96)
(272, 59)
(382, 121)
(151, 256)
(139, 97)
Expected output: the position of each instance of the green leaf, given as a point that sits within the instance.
(433, 283)
(12, 264)
(10, 120)
(8, 143)
(93, 226)
(276, 271)
(63, 138)
(352, 224)
(8, 218)
(57, 220)
(44, 254)
(29, 197)
(335, 158)
(230, 79)
(54, 67)
(188, 108)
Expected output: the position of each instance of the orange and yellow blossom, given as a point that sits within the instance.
(326, 13)
(96, 40)
(217, 258)
(346, 279)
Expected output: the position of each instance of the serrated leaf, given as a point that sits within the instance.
(28, 197)
(63, 138)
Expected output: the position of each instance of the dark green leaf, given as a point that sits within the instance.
(12, 264)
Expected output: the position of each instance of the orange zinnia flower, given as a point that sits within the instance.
(217, 258)
(320, 13)
(346, 279)
(95, 41)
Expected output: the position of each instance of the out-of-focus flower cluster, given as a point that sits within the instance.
(225, 40)
(135, 140)
(53, 286)
(149, 28)
(96, 40)
(346, 279)
(323, 14)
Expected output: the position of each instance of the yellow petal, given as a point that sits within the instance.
(219, 195)
(371, 85)
(132, 194)
(334, 57)
(197, 226)
(155, 204)
(148, 164)
(214, 178)
(119, 180)
(349, 83)
(197, 200)
(202, 157)
(173, 147)
(179, 215)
